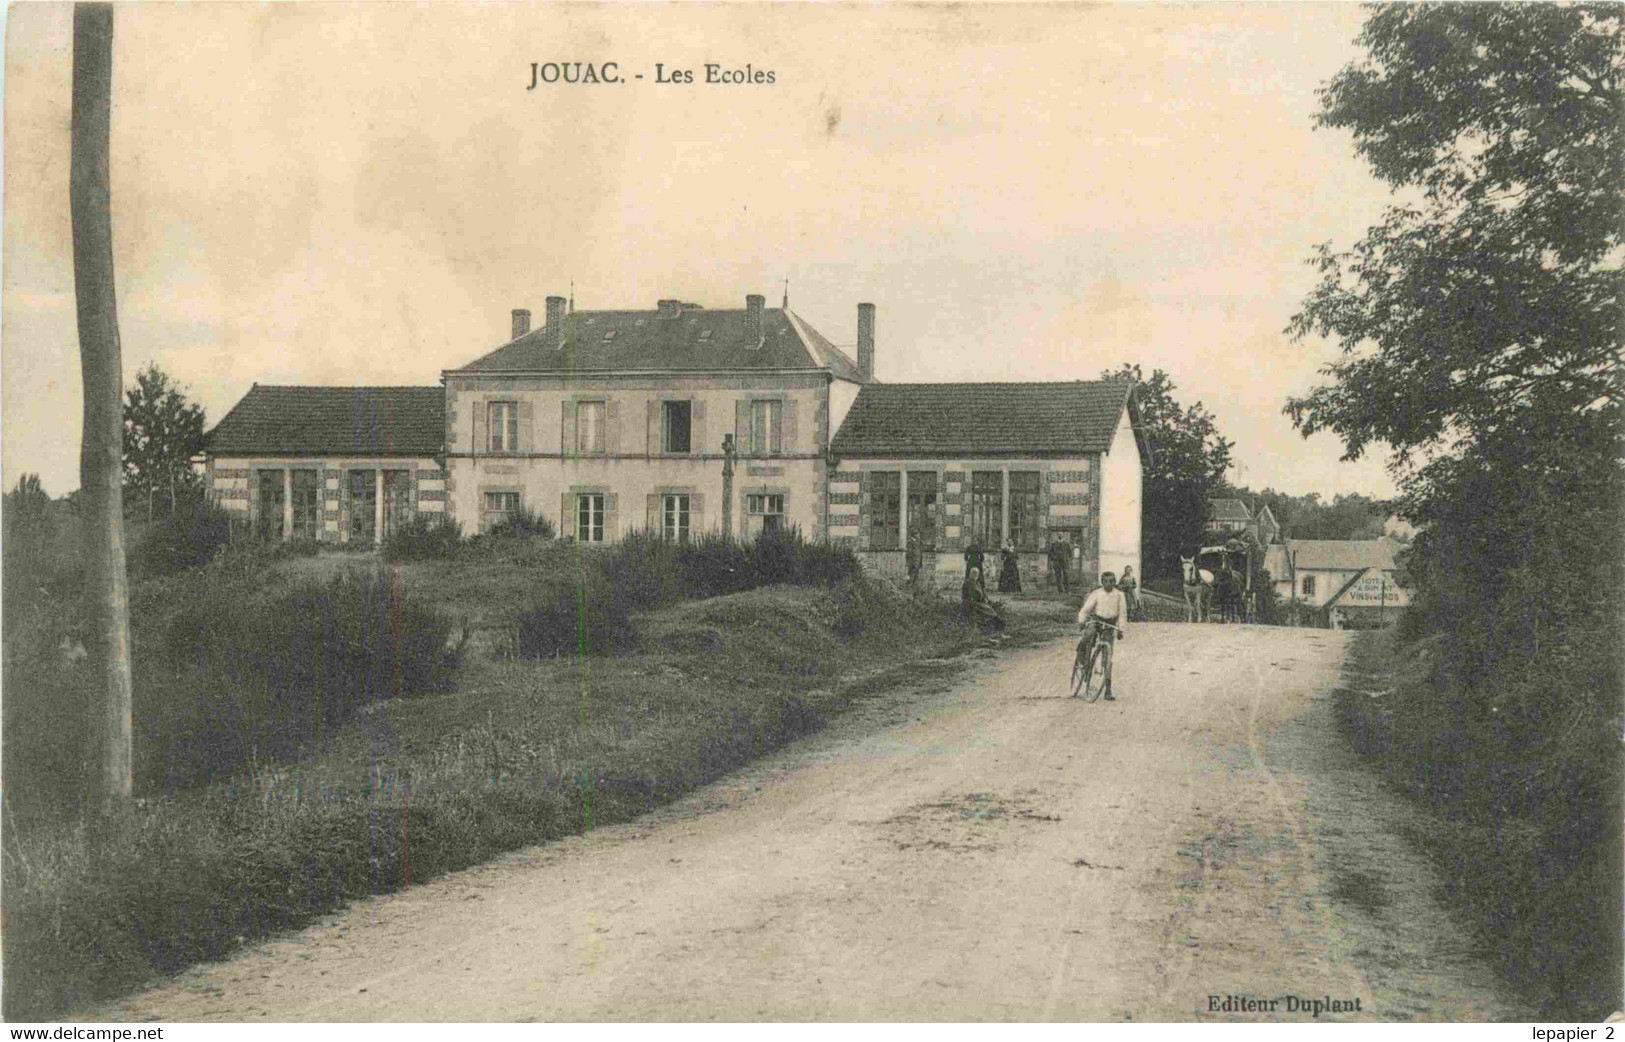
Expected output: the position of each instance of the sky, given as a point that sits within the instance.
(360, 194)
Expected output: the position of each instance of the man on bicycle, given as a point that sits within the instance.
(1107, 606)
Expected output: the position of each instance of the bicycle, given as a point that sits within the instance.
(1091, 678)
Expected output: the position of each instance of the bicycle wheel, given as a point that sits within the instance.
(1079, 674)
(1095, 675)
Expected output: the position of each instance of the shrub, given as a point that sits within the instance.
(237, 677)
(581, 617)
(713, 565)
(524, 525)
(857, 606)
(424, 539)
(644, 570)
(185, 539)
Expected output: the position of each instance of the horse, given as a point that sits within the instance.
(1198, 583)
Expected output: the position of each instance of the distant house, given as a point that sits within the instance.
(1267, 529)
(952, 464)
(1355, 576)
(613, 421)
(337, 464)
(1226, 517)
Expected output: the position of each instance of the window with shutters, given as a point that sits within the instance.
(987, 507)
(499, 507)
(503, 426)
(1024, 520)
(764, 427)
(589, 428)
(674, 514)
(885, 509)
(676, 426)
(1308, 586)
(590, 517)
(766, 510)
(922, 509)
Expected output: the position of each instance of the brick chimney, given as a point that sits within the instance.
(553, 332)
(670, 308)
(521, 322)
(753, 319)
(866, 342)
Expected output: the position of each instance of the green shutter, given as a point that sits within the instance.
(696, 428)
(612, 420)
(611, 505)
(652, 512)
(482, 420)
(526, 441)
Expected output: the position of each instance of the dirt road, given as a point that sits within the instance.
(989, 850)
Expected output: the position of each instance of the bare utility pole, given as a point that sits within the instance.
(101, 447)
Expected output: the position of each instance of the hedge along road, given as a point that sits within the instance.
(987, 849)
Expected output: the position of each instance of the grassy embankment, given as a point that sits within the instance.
(514, 751)
(1526, 839)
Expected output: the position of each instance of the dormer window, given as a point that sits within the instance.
(705, 334)
(610, 335)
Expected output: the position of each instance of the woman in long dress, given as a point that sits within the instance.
(1009, 573)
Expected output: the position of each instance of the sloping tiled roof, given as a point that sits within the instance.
(333, 421)
(1227, 510)
(698, 338)
(982, 419)
(1344, 554)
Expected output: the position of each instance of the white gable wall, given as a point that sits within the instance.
(842, 393)
(1121, 481)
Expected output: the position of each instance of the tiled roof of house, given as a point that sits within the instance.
(1227, 510)
(333, 421)
(696, 339)
(983, 419)
(1344, 554)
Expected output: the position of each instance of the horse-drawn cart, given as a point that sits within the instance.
(1224, 581)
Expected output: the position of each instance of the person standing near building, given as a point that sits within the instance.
(973, 557)
(1009, 569)
(1131, 592)
(914, 555)
(1057, 555)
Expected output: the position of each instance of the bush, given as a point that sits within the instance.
(524, 525)
(424, 539)
(644, 570)
(235, 677)
(713, 565)
(185, 539)
(583, 617)
(858, 606)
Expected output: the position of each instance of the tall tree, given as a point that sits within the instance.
(162, 432)
(100, 459)
(1496, 286)
(1479, 321)
(1189, 456)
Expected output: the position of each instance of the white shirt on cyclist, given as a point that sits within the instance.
(1105, 604)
